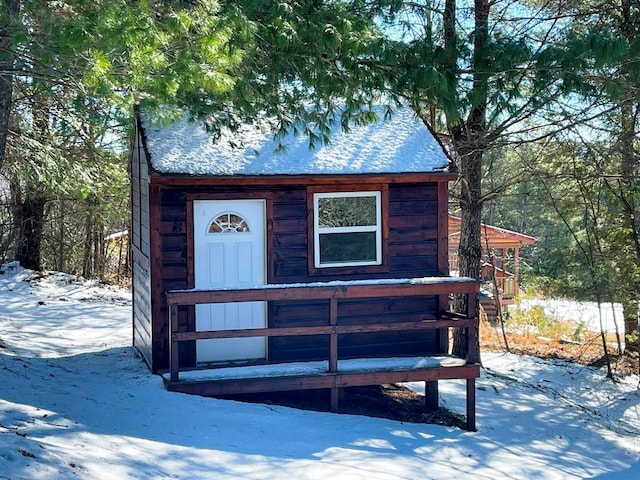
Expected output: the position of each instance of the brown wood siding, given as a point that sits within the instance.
(142, 336)
(443, 255)
(412, 251)
(172, 265)
(145, 242)
(289, 233)
(141, 277)
(413, 230)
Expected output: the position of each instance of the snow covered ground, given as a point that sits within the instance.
(76, 401)
(588, 314)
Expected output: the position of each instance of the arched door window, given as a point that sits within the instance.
(228, 223)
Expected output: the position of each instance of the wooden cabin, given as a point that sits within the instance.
(500, 259)
(264, 265)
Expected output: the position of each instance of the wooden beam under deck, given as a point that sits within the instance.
(333, 381)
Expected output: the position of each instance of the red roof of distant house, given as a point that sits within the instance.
(495, 235)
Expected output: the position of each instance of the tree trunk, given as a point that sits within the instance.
(628, 172)
(628, 184)
(9, 19)
(60, 242)
(29, 222)
(470, 248)
(631, 336)
(30, 197)
(469, 142)
(628, 187)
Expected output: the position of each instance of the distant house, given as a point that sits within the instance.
(308, 268)
(500, 260)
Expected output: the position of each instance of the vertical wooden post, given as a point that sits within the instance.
(516, 270)
(333, 350)
(174, 359)
(443, 228)
(471, 404)
(431, 388)
(473, 355)
(333, 337)
(153, 244)
(431, 395)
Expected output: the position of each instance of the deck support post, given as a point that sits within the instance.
(333, 350)
(174, 359)
(335, 395)
(333, 336)
(431, 396)
(471, 404)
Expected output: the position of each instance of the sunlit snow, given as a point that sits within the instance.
(402, 144)
(76, 401)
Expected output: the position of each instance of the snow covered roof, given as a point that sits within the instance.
(402, 144)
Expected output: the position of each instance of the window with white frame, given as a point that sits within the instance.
(347, 229)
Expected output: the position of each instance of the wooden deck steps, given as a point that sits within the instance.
(488, 310)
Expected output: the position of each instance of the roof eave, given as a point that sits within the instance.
(305, 179)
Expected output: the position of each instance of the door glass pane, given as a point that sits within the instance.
(228, 223)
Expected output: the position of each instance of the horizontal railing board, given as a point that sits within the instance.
(322, 329)
(327, 290)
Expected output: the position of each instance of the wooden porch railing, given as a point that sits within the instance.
(334, 292)
(505, 280)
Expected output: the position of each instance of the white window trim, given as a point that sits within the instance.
(317, 230)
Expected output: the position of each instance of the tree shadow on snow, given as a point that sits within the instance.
(110, 396)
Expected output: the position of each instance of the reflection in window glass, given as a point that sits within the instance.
(346, 211)
(347, 247)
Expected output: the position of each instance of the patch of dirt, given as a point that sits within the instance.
(394, 402)
(590, 352)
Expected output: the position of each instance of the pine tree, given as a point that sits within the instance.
(9, 22)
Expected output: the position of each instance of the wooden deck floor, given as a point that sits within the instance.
(316, 375)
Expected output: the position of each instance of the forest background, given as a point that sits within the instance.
(536, 100)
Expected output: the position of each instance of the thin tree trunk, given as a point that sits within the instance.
(98, 250)
(119, 266)
(60, 263)
(616, 326)
(603, 337)
(9, 18)
(630, 314)
(87, 262)
(628, 171)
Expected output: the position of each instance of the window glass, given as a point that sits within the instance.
(347, 229)
(346, 211)
(347, 247)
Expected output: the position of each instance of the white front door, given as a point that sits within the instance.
(229, 252)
